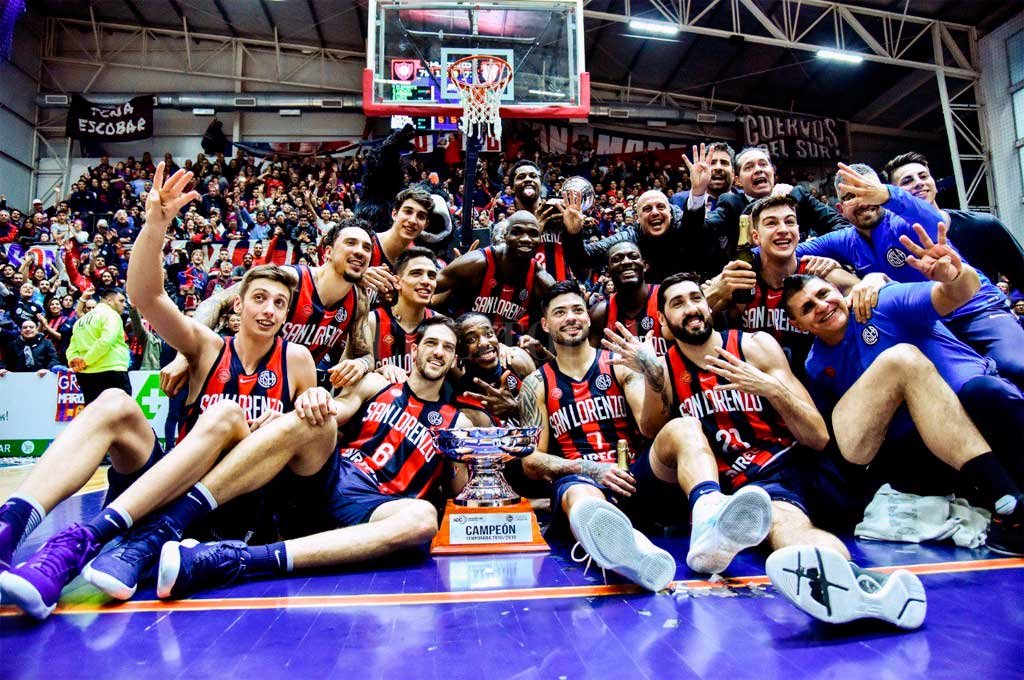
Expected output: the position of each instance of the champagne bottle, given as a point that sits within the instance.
(622, 454)
(744, 253)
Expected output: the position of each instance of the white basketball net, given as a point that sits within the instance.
(480, 92)
(481, 111)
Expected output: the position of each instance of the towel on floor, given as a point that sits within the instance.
(895, 516)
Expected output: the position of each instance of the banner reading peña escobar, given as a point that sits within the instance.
(121, 123)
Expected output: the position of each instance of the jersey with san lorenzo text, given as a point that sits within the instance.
(551, 256)
(265, 389)
(390, 440)
(323, 330)
(587, 417)
(765, 312)
(392, 344)
(504, 303)
(746, 433)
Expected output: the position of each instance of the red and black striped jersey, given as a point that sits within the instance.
(765, 312)
(551, 256)
(323, 330)
(377, 257)
(586, 418)
(503, 302)
(643, 323)
(744, 430)
(499, 377)
(265, 389)
(391, 343)
(390, 440)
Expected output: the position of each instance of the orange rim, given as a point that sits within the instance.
(477, 90)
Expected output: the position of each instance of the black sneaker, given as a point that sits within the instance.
(190, 566)
(1006, 532)
(117, 573)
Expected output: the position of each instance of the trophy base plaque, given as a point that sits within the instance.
(474, 530)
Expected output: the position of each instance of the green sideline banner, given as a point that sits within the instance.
(28, 409)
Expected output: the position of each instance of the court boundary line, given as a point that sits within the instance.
(470, 596)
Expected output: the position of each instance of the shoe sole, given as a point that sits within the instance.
(170, 566)
(107, 584)
(606, 534)
(735, 530)
(21, 593)
(1004, 551)
(901, 601)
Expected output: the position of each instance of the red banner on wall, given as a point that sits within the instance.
(70, 400)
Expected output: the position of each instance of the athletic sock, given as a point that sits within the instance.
(23, 513)
(702, 489)
(112, 521)
(878, 576)
(988, 474)
(269, 559)
(195, 504)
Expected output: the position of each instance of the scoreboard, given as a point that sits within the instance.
(426, 123)
(411, 81)
(418, 82)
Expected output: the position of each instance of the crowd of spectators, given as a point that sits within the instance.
(278, 207)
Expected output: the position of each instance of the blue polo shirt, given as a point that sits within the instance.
(904, 314)
(884, 253)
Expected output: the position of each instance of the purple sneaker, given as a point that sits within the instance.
(35, 584)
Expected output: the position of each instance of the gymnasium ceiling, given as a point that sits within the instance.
(715, 68)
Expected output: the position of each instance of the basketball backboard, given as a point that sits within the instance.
(411, 44)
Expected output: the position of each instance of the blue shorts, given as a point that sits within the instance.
(832, 493)
(655, 501)
(997, 334)
(118, 482)
(339, 495)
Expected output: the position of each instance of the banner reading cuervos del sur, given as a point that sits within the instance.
(795, 138)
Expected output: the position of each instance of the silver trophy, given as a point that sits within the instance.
(583, 187)
(485, 450)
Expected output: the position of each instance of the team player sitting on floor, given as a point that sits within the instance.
(236, 386)
(719, 419)
(326, 315)
(731, 406)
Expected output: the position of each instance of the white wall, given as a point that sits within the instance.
(995, 84)
(17, 116)
(28, 422)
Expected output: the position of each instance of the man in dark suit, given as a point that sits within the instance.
(659, 234)
(718, 230)
(722, 161)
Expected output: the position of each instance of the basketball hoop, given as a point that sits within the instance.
(481, 80)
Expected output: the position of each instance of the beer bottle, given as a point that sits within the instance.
(744, 253)
(622, 454)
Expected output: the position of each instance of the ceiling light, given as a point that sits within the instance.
(844, 57)
(651, 37)
(659, 27)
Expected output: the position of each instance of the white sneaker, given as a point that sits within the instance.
(738, 522)
(827, 586)
(609, 538)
